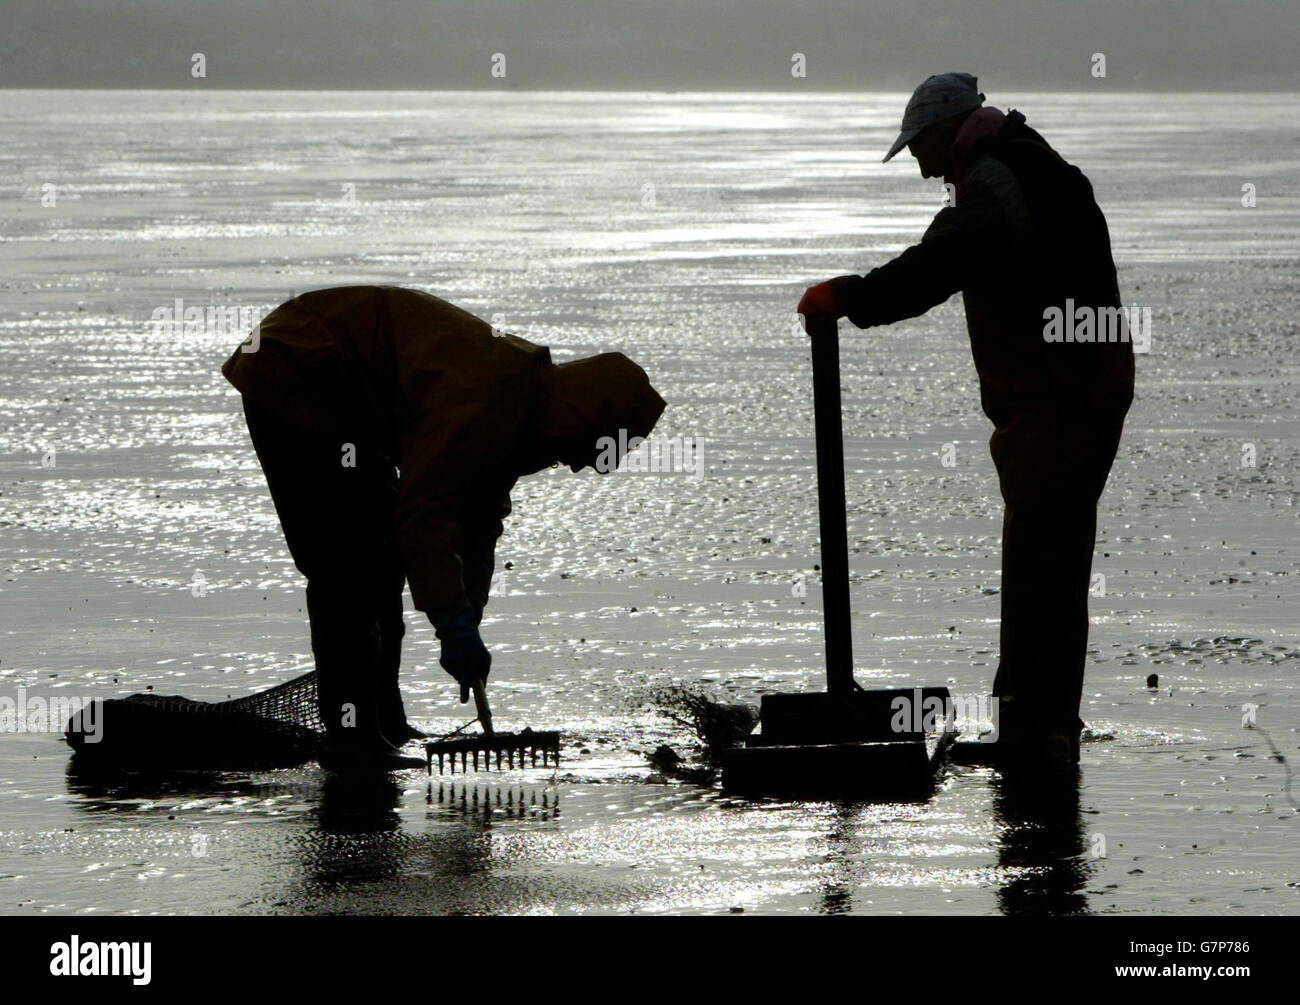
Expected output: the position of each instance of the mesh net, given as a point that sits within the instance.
(280, 727)
(292, 703)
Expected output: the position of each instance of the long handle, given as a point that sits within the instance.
(481, 706)
(825, 339)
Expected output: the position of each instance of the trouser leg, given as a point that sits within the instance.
(338, 523)
(392, 629)
(345, 642)
(1047, 550)
(1052, 468)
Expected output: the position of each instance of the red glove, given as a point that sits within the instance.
(819, 300)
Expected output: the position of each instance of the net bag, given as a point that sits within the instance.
(277, 728)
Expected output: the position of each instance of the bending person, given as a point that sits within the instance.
(343, 389)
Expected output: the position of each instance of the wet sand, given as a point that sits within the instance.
(620, 583)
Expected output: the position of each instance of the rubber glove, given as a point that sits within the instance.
(463, 654)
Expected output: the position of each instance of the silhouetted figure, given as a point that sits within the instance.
(1022, 240)
(343, 389)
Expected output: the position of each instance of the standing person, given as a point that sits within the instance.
(1022, 238)
(345, 388)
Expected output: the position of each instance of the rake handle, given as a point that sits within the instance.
(481, 705)
(823, 333)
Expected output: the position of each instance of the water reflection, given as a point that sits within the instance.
(846, 846)
(490, 800)
(1041, 848)
(108, 788)
(359, 835)
(358, 804)
(1041, 845)
(365, 844)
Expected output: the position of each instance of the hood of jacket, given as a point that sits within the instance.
(584, 400)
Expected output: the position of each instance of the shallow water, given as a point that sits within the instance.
(537, 208)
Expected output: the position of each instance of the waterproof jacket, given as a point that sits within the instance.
(428, 386)
(1023, 234)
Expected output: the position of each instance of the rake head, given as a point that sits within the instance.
(509, 750)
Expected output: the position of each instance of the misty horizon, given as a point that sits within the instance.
(1209, 46)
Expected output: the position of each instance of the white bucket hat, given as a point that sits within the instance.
(938, 97)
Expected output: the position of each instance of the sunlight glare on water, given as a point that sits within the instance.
(679, 229)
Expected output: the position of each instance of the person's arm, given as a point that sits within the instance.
(444, 543)
(961, 244)
(922, 277)
(478, 553)
(449, 492)
(464, 655)
(429, 536)
(448, 564)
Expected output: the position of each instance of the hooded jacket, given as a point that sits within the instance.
(460, 411)
(1023, 234)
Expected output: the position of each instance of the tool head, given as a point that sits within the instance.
(866, 745)
(515, 749)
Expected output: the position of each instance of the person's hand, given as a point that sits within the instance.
(463, 654)
(819, 301)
